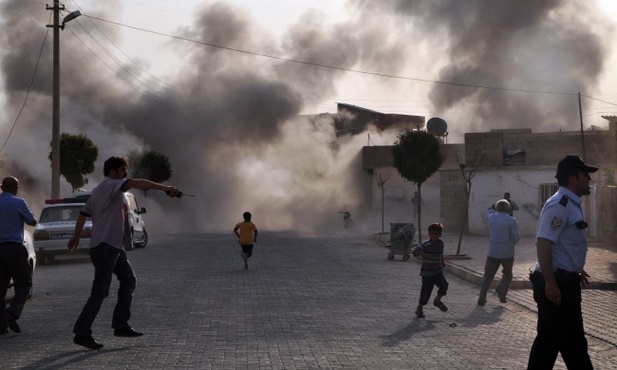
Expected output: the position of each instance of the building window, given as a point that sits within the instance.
(546, 191)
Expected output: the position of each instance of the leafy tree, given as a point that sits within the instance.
(151, 165)
(417, 156)
(77, 157)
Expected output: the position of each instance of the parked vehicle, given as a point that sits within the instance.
(134, 227)
(56, 226)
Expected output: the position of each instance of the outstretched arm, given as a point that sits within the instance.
(145, 184)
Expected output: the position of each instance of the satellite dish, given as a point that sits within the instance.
(437, 126)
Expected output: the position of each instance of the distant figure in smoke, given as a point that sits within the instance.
(513, 205)
(14, 212)
(246, 231)
(347, 221)
(415, 202)
(107, 254)
(503, 236)
(431, 270)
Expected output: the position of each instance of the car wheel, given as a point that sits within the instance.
(144, 239)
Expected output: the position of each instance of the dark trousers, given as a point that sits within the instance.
(247, 249)
(13, 263)
(428, 282)
(108, 261)
(490, 269)
(560, 327)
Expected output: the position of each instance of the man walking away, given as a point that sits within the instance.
(14, 212)
(503, 236)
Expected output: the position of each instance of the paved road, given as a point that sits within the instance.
(306, 302)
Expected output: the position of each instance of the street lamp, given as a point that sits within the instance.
(55, 127)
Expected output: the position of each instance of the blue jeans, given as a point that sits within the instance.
(107, 261)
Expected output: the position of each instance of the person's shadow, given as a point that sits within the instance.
(405, 334)
(483, 315)
(479, 316)
(69, 359)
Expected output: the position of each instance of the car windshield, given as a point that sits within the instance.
(66, 213)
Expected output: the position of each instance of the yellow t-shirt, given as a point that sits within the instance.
(246, 229)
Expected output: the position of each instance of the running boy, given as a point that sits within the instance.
(246, 232)
(431, 271)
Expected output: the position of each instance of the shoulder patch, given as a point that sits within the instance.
(556, 223)
(564, 200)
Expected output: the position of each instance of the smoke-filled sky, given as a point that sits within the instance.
(232, 123)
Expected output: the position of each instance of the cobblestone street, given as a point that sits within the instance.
(305, 302)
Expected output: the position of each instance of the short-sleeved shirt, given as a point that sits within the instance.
(105, 207)
(558, 223)
(246, 229)
(14, 211)
(503, 234)
(432, 258)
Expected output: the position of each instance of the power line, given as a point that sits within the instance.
(321, 65)
(600, 100)
(36, 67)
(155, 94)
(122, 52)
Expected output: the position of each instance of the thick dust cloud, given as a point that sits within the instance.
(230, 121)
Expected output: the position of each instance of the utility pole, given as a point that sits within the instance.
(55, 120)
(580, 113)
(55, 115)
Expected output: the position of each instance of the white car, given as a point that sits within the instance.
(55, 228)
(134, 227)
(31, 257)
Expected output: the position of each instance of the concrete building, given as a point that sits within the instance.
(517, 161)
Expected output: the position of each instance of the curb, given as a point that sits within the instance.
(474, 277)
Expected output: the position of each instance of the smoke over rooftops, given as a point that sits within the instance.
(231, 128)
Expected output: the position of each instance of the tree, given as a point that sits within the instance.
(468, 175)
(381, 182)
(77, 157)
(417, 156)
(151, 165)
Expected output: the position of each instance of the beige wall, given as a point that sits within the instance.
(542, 153)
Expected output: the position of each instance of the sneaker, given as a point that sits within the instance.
(441, 306)
(420, 313)
(502, 298)
(481, 302)
(87, 342)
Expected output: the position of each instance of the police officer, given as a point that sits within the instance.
(559, 275)
(14, 212)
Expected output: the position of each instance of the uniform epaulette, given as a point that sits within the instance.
(564, 200)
